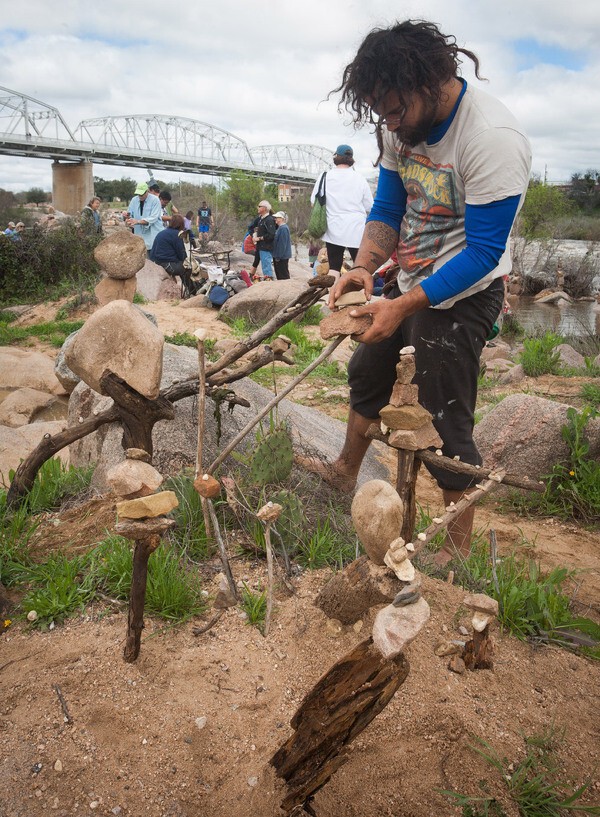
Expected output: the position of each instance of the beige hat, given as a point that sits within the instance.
(264, 203)
(280, 214)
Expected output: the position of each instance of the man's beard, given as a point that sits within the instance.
(411, 135)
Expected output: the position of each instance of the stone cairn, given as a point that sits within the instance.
(360, 685)
(118, 352)
(121, 256)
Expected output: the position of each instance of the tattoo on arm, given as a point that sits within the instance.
(385, 239)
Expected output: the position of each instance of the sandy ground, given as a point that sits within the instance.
(134, 745)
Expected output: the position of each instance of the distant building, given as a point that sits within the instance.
(287, 192)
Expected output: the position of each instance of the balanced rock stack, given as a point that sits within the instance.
(120, 255)
(340, 322)
(410, 425)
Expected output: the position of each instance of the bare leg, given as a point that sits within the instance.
(343, 472)
(458, 536)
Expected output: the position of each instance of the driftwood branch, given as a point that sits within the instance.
(222, 551)
(453, 511)
(430, 458)
(277, 399)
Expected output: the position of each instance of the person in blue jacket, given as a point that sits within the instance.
(454, 169)
(282, 247)
(144, 215)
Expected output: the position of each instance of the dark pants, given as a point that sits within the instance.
(448, 343)
(335, 255)
(282, 272)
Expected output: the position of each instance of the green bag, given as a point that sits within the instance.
(317, 224)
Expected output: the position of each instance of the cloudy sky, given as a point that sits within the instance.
(263, 70)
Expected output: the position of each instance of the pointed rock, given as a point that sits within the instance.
(404, 394)
(406, 369)
(396, 627)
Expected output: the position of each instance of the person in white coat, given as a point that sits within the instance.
(348, 201)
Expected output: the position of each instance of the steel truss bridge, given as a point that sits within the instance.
(32, 128)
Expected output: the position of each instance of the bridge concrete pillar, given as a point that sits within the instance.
(72, 185)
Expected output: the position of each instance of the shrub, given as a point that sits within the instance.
(46, 263)
(539, 355)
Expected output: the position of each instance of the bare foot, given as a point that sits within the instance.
(327, 471)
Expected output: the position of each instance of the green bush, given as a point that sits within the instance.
(539, 355)
(47, 263)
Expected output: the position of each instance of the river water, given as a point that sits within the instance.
(580, 318)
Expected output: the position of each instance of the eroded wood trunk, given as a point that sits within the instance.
(406, 486)
(359, 586)
(137, 598)
(337, 709)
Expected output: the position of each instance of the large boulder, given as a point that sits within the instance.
(523, 435)
(569, 357)
(175, 440)
(23, 368)
(18, 443)
(121, 254)
(120, 338)
(155, 284)
(259, 303)
(21, 406)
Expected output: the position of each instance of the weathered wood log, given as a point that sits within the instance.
(478, 651)
(431, 458)
(359, 586)
(138, 414)
(135, 621)
(406, 486)
(337, 709)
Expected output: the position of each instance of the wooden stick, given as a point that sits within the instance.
(200, 336)
(494, 556)
(259, 359)
(462, 504)
(222, 551)
(63, 703)
(277, 399)
(430, 458)
(135, 621)
(269, 578)
(206, 627)
(406, 483)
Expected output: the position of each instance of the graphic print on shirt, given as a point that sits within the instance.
(432, 211)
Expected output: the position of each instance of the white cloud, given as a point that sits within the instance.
(263, 71)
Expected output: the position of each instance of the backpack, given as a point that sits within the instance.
(218, 295)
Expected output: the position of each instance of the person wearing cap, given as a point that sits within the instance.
(282, 247)
(264, 234)
(348, 201)
(10, 229)
(454, 170)
(145, 215)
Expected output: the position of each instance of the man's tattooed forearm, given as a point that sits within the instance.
(384, 237)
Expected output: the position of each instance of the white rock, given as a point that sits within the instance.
(481, 620)
(407, 350)
(32, 615)
(201, 722)
(396, 627)
(58, 767)
(253, 781)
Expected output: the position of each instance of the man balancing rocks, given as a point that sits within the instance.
(453, 171)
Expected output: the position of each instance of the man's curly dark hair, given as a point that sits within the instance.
(407, 58)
